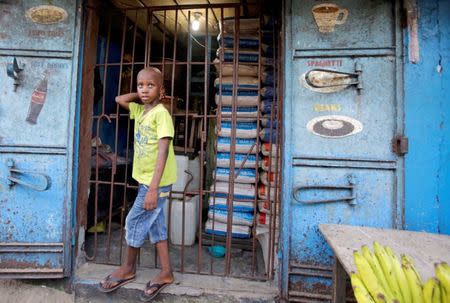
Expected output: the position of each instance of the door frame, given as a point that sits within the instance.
(73, 130)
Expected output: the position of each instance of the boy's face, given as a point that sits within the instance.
(149, 86)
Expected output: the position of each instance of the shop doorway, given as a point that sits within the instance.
(224, 98)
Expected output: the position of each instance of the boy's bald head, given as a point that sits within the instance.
(153, 71)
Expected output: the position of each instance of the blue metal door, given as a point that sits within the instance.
(343, 127)
(38, 73)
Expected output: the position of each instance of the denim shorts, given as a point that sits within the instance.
(142, 224)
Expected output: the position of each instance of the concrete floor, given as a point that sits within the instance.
(32, 292)
(186, 288)
(241, 260)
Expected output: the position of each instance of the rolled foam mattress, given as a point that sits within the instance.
(267, 77)
(246, 175)
(244, 83)
(239, 218)
(242, 146)
(268, 178)
(248, 114)
(223, 160)
(244, 130)
(241, 191)
(269, 135)
(269, 121)
(227, 69)
(269, 163)
(246, 41)
(244, 56)
(268, 92)
(220, 203)
(243, 98)
(267, 219)
(268, 207)
(246, 25)
(266, 106)
(268, 149)
(220, 229)
(263, 192)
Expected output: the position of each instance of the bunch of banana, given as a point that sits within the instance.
(384, 278)
(438, 289)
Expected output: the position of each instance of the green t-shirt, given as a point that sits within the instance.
(148, 129)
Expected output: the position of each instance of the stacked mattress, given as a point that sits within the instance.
(255, 134)
(243, 166)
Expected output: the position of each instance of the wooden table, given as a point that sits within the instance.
(425, 249)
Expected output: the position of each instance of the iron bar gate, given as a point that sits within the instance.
(132, 38)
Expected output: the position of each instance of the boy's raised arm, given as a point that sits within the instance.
(124, 100)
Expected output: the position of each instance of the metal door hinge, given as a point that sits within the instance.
(400, 145)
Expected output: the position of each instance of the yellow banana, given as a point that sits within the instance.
(369, 278)
(381, 298)
(359, 290)
(386, 264)
(414, 284)
(446, 267)
(444, 280)
(443, 295)
(437, 293)
(407, 260)
(401, 278)
(376, 267)
(366, 252)
(428, 290)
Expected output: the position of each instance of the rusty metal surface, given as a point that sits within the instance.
(20, 206)
(37, 130)
(27, 25)
(339, 131)
(87, 101)
(20, 247)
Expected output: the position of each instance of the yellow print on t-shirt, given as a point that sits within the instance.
(145, 136)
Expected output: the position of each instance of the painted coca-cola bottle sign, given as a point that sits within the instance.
(37, 100)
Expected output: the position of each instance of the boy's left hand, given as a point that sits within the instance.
(151, 199)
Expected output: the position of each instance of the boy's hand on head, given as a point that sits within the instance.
(151, 199)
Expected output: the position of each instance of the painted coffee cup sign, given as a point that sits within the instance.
(328, 15)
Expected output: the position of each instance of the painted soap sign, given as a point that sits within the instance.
(46, 14)
(334, 126)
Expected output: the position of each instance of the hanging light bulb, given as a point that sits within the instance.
(195, 24)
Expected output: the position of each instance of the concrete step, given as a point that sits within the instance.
(186, 288)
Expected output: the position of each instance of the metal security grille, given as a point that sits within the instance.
(192, 63)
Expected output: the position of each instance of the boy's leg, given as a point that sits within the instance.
(126, 271)
(165, 276)
(137, 226)
(158, 236)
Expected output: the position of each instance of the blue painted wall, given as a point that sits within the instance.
(427, 116)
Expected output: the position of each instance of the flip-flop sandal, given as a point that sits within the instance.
(120, 282)
(159, 286)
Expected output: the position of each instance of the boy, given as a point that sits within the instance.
(154, 167)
